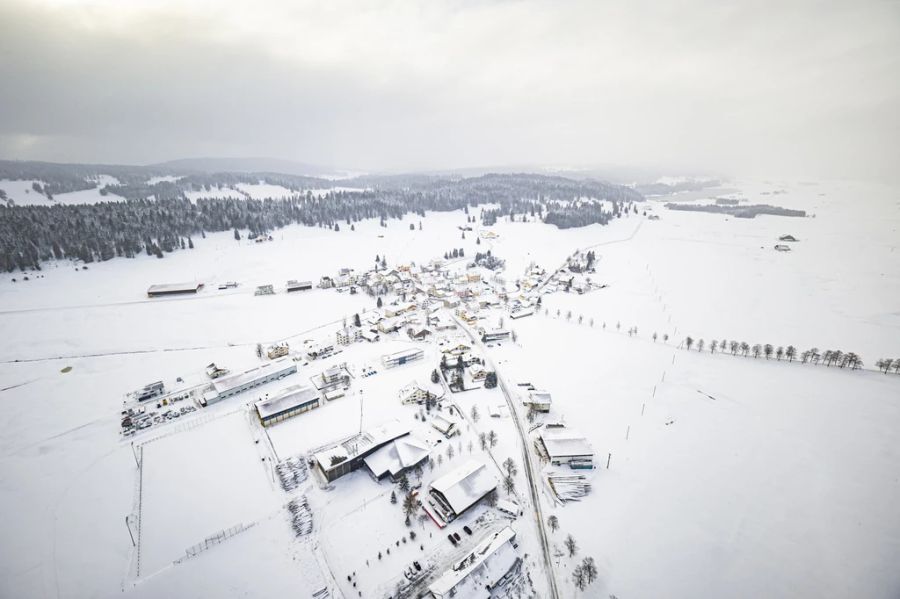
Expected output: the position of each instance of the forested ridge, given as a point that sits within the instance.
(159, 218)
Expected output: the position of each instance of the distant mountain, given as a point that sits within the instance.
(250, 165)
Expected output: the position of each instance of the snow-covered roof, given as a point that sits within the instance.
(442, 424)
(539, 398)
(286, 399)
(397, 456)
(174, 288)
(465, 485)
(562, 442)
(362, 443)
(228, 383)
(494, 556)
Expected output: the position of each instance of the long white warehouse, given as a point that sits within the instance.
(237, 383)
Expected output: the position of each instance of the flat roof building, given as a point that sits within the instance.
(298, 286)
(402, 357)
(288, 402)
(228, 386)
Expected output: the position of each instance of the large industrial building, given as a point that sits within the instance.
(347, 456)
(566, 447)
(237, 383)
(460, 489)
(402, 357)
(173, 289)
(484, 572)
(288, 402)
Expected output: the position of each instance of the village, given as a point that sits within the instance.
(461, 460)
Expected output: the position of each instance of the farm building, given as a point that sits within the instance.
(173, 289)
(491, 565)
(237, 383)
(564, 446)
(397, 457)
(497, 335)
(347, 456)
(288, 402)
(460, 489)
(402, 357)
(539, 400)
(298, 286)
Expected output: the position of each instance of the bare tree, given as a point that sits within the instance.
(571, 545)
(553, 523)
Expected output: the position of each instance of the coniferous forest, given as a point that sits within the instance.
(159, 218)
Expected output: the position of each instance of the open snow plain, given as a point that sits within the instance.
(728, 475)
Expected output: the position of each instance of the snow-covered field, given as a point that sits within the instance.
(739, 477)
(23, 194)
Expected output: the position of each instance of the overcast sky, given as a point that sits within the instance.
(742, 88)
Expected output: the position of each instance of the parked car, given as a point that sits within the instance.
(452, 540)
(467, 529)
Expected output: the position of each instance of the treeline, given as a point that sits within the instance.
(829, 357)
(159, 218)
(748, 211)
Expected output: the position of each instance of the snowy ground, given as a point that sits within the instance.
(742, 477)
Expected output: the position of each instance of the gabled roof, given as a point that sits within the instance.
(465, 485)
(565, 443)
(397, 456)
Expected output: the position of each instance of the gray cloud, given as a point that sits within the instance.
(757, 88)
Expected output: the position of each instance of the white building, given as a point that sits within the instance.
(288, 402)
(348, 455)
(566, 447)
(445, 426)
(539, 400)
(402, 357)
(236, 383)
(484, 572)
(460, 489)
(396, 457)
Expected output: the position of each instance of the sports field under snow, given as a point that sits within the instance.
(739, 477)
